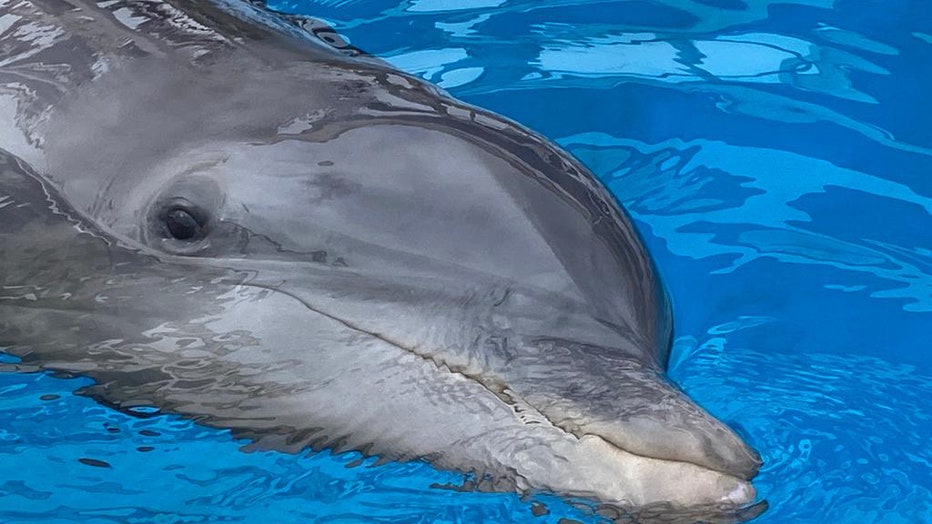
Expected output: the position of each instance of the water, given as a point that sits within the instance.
(776, 156)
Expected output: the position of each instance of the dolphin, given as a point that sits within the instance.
(237, 217)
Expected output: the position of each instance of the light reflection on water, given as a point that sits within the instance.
(679, 190)
(775, 156)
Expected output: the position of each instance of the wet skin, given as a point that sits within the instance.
(228, 220)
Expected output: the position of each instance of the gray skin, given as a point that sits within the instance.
(372, 264)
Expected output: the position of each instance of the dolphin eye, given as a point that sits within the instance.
(181, 222)
(181, 225)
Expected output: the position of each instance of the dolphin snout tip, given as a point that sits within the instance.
(748, 461)
(743, 493)
(734, 455)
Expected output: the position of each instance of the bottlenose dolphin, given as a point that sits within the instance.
(210, 209)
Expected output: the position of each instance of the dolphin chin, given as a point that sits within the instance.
(211, 211)
(655, 476)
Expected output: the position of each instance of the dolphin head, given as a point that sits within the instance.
(346, 257)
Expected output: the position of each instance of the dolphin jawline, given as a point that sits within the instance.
(368, 263)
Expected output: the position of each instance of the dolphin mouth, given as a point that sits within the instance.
(657, 444)
(630, 405)
(734, 486)
(733, 492)
(743, 493)
(746, 470)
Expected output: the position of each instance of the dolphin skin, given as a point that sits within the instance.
(207, 208)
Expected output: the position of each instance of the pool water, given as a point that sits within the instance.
(777, 158)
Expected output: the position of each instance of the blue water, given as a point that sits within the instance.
(777, 157)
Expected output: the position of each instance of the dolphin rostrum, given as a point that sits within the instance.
(208, 208)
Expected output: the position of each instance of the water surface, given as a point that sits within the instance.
(776, 157)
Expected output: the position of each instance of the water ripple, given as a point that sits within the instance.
(164, 469)
(707, 198)
(742, 53)
(764, 146)
(845, 437)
